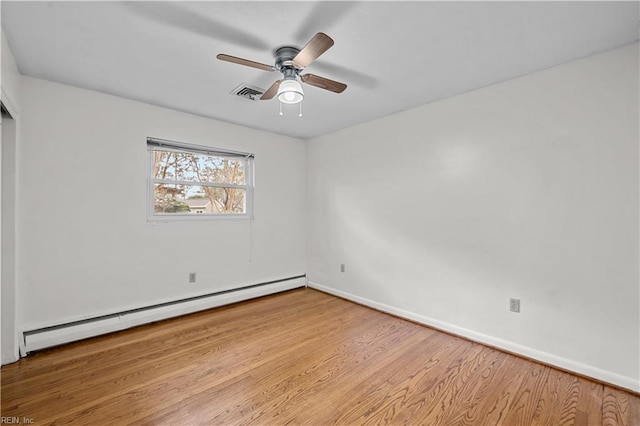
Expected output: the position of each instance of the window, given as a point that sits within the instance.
(188, 180)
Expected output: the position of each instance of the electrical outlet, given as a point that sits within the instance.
(514, 305)
(192, 277)
(342, 267)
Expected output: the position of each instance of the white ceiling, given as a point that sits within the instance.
(392, 55)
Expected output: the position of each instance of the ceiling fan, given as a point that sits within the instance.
(290, 61)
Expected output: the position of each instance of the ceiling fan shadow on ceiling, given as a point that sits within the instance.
(290, 61)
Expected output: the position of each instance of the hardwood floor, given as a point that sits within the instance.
(300, 357)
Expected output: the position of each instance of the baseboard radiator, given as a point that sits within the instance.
(46, 337)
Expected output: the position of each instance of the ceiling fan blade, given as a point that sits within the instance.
(323, 14)
(319, 44)
(245, 62)
(271, 91)
(323, 83)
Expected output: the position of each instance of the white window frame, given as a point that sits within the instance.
(154, 144)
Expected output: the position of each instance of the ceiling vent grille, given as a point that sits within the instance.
(248, 92)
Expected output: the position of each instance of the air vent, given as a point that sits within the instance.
(248, 92)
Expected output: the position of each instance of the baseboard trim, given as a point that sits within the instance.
(38, 338)
(564, 364)
(10, 360)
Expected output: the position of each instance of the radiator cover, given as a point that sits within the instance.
(46, 337)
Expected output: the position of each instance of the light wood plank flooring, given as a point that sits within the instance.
(300, 357)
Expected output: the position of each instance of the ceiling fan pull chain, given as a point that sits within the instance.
(300, 113)
(280, 113)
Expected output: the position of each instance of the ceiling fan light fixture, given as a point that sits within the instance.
(290, 92)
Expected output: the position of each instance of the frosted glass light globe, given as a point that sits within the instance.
(290, 92)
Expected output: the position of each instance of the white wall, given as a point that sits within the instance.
(85, 245)
(10, 76)
(525, 189)
(10, 88)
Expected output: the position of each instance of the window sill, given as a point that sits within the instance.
(196, 217)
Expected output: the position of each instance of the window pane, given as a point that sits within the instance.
(187, 199)
(185, 166)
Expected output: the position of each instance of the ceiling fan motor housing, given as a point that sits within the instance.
(284, 59)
